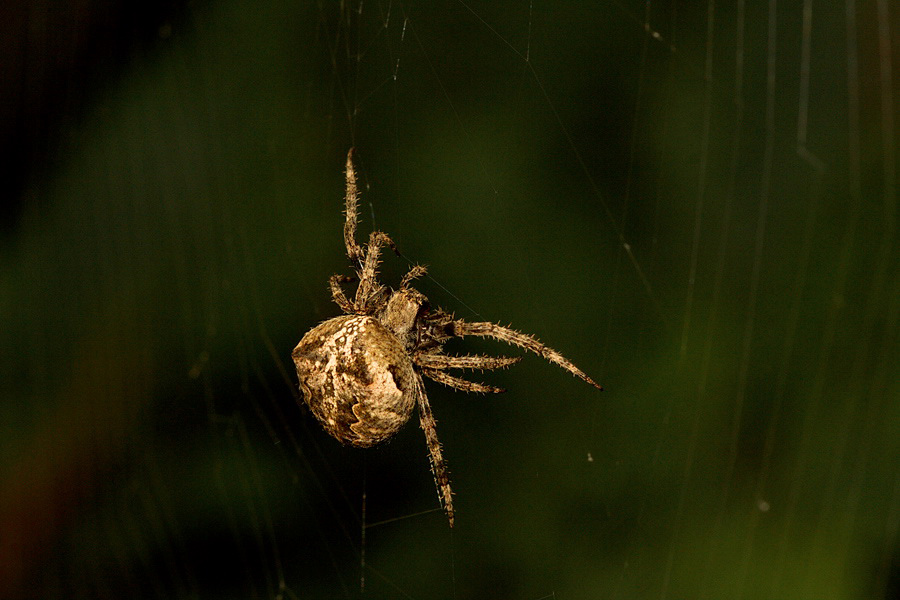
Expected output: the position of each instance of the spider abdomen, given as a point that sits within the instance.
(357, 379)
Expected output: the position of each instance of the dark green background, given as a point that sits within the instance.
(677, 208)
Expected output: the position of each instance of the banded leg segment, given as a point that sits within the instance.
(459, 383)
(351, 199)
(438, 466)
(468, 361)
(415, 272)
(368, 276)
(522, 340)
(337, 292)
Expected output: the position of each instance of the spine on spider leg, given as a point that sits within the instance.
(438, 466)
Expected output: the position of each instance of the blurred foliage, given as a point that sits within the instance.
(715, 243)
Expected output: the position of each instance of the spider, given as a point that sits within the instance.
(361, 373)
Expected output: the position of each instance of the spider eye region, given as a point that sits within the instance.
(356, 378)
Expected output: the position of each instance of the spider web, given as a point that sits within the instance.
(696, 204)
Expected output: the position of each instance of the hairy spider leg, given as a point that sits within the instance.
(467, 361)
(337, 293)
(438, 466)
(522, 340)
(434, 365)
(414, 273)
(351, 199)
(459, 383)
(369, 290)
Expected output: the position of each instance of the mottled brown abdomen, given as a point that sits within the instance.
(357, 379)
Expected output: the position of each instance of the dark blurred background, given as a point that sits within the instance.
(696, 204)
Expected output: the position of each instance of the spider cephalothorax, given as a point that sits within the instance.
(361, 373)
